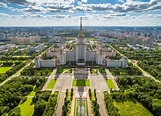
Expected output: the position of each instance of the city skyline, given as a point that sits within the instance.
(67, 12)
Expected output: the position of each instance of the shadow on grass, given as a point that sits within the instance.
(126, 99)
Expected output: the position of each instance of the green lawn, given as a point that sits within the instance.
(4, 69)
(66, 70)
(32, 93)
(96, 70)
(68, 97)
(81, 83)
(22, 56)
(51, 84)
(26, 108)
(131, 107)
(110, 84)
(93, 97)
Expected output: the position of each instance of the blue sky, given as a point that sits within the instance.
(67, 12)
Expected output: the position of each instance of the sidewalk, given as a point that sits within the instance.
(100, 101)
(60, 103)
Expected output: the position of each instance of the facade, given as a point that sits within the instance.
(37, 48)
(25, 40)
(117, 63)
(81, 55)
(44, 63)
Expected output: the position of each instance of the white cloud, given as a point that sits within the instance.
(68, 6)
(3, 5)
(88, 20)
(51, 1)
(85, 1)
(34, 13)
(35, 8)
(129, 1)
(121, 0)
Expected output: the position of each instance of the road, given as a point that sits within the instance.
(19, 71)
(135, 64)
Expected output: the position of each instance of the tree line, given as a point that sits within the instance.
(66, 109)
(10, 72)
(95, 105)
(30, 71)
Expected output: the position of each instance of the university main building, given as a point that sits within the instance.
(100, 54)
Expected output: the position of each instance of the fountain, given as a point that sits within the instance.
(81, 107)
(80, 104)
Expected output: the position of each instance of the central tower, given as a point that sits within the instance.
(81, 47)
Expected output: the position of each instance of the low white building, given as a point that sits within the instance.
(117, 63)
(37, 48)
(44, 63)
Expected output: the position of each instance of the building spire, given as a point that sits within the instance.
(80, 23)
(81, 34)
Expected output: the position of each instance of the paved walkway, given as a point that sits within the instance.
(60, 103)
(98, 82)
(72, 106)
(63, 82)
(100, 101)
(89, 106)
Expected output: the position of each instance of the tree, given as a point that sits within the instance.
(39, 107)
(89, 92)
(71, 95)
(122, 81)
(15, 112)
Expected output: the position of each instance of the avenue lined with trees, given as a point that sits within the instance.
(18, 65)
